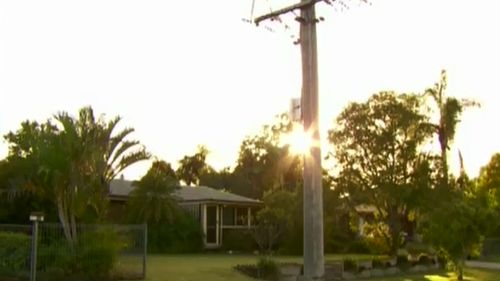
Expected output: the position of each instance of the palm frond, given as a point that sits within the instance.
(122, 147)
(126, 161)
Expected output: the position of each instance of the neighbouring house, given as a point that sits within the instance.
(366, 213)
(217, 211)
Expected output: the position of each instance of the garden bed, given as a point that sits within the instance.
(347, 269)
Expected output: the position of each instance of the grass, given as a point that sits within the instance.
(196, 267)
(219, 267)
(212, 267)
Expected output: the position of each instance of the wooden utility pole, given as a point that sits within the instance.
(314, 261)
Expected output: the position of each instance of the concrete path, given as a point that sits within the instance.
(483, 264)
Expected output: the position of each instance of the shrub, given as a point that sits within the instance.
(93, 257)
(416, 248)
(268, 269)
(237, 240)
(14, 252)
(442, 261)
(96, 253)
(358, 246)
(402, 262)
(248, 269)
(183, 236)
(424, 259)
(55, 255)
(350, 265)
(380, 263)
(377, 245)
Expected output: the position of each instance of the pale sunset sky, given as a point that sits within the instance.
(184, 73)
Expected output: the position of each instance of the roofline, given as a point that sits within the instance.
(118, 197)
(221, 202)
(124, 198)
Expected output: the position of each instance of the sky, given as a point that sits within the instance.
(185, 73)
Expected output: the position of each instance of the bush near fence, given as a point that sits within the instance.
(92, 257)
(183, 236)
(100, 253)
(14, 252)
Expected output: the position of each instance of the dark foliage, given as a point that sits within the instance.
(14, 252)
(183, 235)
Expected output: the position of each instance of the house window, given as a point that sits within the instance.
(228, 216)
(241, 216)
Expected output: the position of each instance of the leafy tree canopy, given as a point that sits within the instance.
(459, 219)
(264, 163)
(377, 148)
(192, 167)
(71, 161)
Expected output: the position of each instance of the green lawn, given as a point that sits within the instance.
(219, 267)
(211, 267)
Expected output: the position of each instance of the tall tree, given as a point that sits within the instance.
(265, 163)
(193, 166)
(75, 159)
(221, 179)
(449, 110)
(377, 148)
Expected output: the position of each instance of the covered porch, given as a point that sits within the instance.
(218, 212)
(216, 218)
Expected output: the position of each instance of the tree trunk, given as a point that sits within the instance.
(61, 210)
(444, 162)
(460, 272)
(73, 227)
(443, 142)
(394, 230)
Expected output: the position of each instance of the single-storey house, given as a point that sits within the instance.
(366, 214)
(217, 211)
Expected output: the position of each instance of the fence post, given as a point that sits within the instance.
(35, 217)
(145, 251)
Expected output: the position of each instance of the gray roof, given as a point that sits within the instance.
(204, 193)
(122, 188)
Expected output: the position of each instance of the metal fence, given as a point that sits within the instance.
(491, 247)
(97, 247)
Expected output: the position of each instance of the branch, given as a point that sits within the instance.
(301, 5)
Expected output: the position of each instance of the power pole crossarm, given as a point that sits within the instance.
(301, 5)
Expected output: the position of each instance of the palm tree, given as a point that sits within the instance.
(109, 153)
(450, 109)
(82, 158)
(152, 201)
